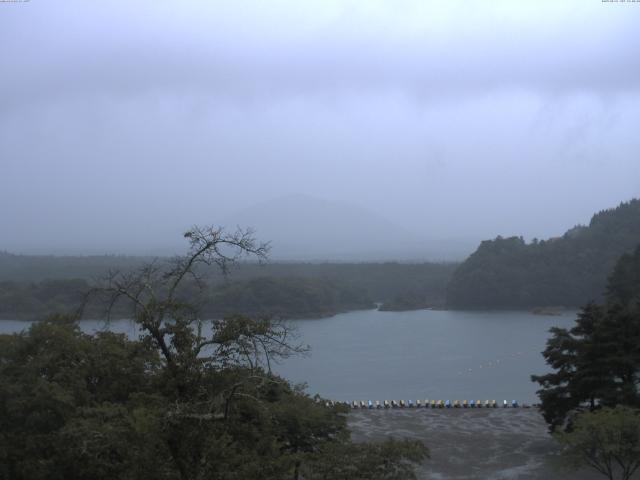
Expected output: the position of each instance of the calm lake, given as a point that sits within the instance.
(408, 355)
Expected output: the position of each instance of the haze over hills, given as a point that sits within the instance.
(299, 227)
(302, 227)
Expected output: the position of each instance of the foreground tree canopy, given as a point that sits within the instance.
(188, 400)
(593, 391)
(607, 440)
(597, 362)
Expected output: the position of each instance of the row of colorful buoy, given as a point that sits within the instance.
(433, 404)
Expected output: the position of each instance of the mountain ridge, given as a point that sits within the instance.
(570, 270)
(302, 227)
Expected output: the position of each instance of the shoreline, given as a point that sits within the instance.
(470, 444)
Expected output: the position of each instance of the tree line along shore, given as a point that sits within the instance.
(177, 403)
(504, 273)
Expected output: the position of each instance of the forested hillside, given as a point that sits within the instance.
(567, 271)
(35, 268)
(286, 297)
(33, 286)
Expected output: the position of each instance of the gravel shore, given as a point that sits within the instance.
(465, 444)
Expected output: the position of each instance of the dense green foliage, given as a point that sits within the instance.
(26, 301)
(75, 406)
(607, 440)
(293, 290)
(267, 296)
(381, 281)
(101, 407)
(570, 271)
(411, 300)
(35, 268)
(623, 287)
(286, 297)
(177, 403)
(597, 362)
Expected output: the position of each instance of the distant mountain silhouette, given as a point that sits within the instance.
(301, 227)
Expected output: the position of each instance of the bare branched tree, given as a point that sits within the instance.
(155, 299)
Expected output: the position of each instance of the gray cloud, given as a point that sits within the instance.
(78, 48)
(123, 122)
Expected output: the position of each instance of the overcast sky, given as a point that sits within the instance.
(124, 122)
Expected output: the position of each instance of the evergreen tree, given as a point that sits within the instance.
(597, 362)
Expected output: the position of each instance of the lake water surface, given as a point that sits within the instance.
(424, 354)
(408, 355)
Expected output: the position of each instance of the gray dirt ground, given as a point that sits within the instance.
(487, 444)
